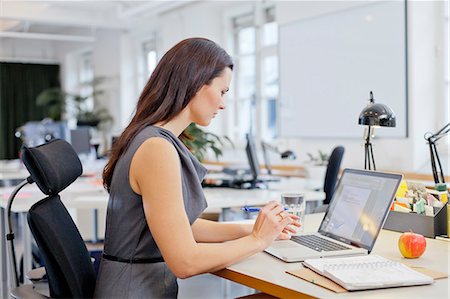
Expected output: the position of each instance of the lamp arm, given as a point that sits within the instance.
(438, 174)
(10, 234)
(445, 128)
(432, 147)
(443, 134)
(439, 134)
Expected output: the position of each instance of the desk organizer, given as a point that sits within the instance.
(429, 226)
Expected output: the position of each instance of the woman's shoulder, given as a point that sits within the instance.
(153, 140)
(158, 144)
(149, 132)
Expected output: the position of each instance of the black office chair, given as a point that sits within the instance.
(331, 176)
(70, 272)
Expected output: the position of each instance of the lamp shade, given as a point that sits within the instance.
(375, 114)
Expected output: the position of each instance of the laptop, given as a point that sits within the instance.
(351, 225)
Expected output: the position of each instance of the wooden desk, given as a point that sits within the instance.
(267, 273)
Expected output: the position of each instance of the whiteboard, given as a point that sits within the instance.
(330, 63)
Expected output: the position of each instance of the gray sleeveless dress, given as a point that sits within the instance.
(127, 234)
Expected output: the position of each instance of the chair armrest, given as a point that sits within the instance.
(36, 274)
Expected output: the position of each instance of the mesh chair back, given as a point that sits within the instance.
(334, 163)
(67, 262)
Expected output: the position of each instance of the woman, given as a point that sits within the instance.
(153, 233)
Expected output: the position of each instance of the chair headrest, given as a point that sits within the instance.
(53, 166)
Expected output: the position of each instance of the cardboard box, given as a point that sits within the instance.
(429, 226)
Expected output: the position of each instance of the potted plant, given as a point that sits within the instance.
(315, 169)
(54, 100)
(199, 142)
(88, 116)
(85, 109)
(88, 110)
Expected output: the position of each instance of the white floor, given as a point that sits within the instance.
(210, 286)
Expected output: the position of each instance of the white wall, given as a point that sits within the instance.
(107, 57)
(27, 51)
(424, 87)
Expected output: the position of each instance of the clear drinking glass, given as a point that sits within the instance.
(294, 203)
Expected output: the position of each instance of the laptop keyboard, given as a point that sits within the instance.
(317, 243)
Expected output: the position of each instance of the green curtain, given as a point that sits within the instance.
(20, 83)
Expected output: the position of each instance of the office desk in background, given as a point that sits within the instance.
(223, 199)
(268, 274)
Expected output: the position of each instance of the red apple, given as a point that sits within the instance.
(412, 245)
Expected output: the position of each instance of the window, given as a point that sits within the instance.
(85, 78)
(269, 71)
(443, 117)
(256, 74)
(446, 32)
(150, 57)
(146, 60)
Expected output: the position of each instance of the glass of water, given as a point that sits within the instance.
(294, 203)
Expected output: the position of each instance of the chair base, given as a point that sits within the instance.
(31, 291)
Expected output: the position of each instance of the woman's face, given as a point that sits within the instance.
(210, 99)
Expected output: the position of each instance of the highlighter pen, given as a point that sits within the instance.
(254, 209)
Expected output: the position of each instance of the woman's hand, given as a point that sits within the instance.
(273, 222)
(289, 229)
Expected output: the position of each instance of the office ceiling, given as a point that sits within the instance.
(42, 19)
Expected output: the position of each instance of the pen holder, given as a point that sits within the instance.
(428, 226)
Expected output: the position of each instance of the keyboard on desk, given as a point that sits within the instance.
(317, 243)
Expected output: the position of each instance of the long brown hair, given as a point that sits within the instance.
(181, 72)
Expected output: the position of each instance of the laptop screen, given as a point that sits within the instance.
(359, 206)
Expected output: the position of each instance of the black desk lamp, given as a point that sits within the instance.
(438, 176)
(374, 115)
(268, 147)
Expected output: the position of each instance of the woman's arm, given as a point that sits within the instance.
(211, 231)
(155, 173)
(207, 231)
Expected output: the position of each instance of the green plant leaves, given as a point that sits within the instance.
(54, 99)
(199, 142)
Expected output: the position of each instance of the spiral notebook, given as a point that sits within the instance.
(367, 272)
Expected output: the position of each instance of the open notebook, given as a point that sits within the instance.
(367, 272)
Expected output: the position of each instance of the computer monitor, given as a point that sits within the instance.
(34, 133)
(80, 139)
(55, 129)
(253, 162)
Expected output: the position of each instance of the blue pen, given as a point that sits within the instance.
(254, 209)
(250, 209)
